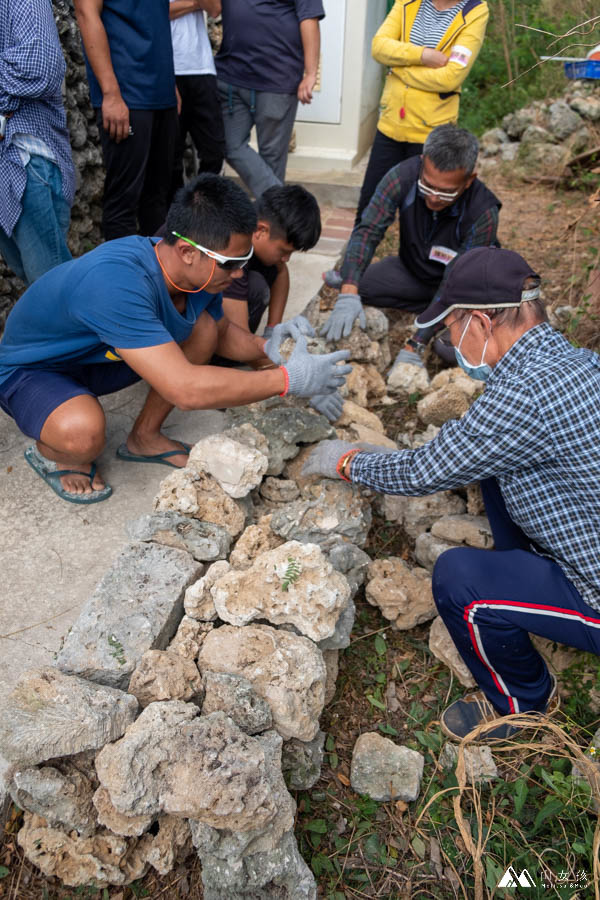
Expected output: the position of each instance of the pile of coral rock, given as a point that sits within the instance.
(545, 135)
(185, 701)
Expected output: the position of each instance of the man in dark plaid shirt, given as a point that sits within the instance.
(37, 177)
(444, 211)
(533, 442)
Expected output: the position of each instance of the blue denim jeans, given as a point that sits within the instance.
(38, 241)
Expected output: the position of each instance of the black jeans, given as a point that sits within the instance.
(138, 173)
(385, 154)
(201, 117)
(389, 284)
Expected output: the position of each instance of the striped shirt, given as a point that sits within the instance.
(32, 69)
(536, 429)
(431, 24)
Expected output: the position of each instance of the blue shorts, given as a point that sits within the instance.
(29, 396)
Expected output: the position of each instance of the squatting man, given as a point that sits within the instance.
(532, 440)
(145, 308)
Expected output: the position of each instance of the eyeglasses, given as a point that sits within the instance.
(441, 195)
(228, 263)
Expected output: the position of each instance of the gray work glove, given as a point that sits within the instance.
(329, 405)
(268, 331)
(310, 374)
(292, 328)
(326, 455)
(339, 324)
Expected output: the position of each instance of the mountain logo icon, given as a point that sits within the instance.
(511, 879)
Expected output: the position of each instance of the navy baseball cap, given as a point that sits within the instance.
(483, 278)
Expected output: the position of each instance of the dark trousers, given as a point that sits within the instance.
(385, 153)
(490, 600)
(200, 117)
(138, 173)
(389, 284)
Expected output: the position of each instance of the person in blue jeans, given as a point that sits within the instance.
(37, 176)
(268, 61)
(532, 440)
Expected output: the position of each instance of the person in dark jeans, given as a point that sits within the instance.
(196, 80)
(132, 87)
(444, 211)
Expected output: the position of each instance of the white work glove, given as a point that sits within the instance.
(329, 405)
(347, 309)
(311, 374)
(292, 328)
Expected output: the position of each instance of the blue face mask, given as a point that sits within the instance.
(481, 372)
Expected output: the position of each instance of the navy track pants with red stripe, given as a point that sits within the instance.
(491, 600)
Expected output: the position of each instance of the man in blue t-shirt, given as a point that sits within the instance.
(129, 61)
(268, 61)
(144, 308)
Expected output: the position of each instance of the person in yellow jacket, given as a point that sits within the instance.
(430, 47)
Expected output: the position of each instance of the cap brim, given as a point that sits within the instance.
(434, 313)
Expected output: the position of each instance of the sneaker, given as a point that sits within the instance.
(333, 278)
(462, 716)
(443, 347)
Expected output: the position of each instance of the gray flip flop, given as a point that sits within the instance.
(51, 474)
(123, 452)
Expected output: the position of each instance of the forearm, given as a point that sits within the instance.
(236, 343)
(387, 46)
(97, 48)
(311, 44)
(216, 387)
(279, 294)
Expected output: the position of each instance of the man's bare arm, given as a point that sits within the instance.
(279, 295)
(115, 113)
(190, 386)
(183, 7)
(311, 44)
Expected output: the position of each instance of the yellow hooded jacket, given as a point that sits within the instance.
(417, 98)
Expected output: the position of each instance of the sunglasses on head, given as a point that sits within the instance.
(228, 263)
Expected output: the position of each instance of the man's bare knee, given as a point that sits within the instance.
(77, 428)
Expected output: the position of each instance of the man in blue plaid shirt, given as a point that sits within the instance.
(37, 177)
(533, 442)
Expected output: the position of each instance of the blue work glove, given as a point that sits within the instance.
(292, 328)
(329, 405)
(326, 455)
(310, 374)
(347, 309)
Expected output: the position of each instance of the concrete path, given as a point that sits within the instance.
(53, 552)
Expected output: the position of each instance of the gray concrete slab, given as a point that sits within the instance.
(54, 553)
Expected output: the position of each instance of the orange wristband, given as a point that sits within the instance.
(343, 462)
(287, 381)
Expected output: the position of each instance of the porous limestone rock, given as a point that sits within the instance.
(49, 714)
(294, 583)
(563, 119)
(443, 648)
(199, 495)
(558, 656)
(329, 509)
(279, 490)
(237, 467)
(384, 770)
(417, 514)
(356, 431)
(362, 348)
(351, 561)
(301, 762)
(474, 531)
(279, 873)
(204, 540)
(117, 822)
(165, 675)
(475, 504)
(377, 323)
(172, 843)
(340, 639)
(198, 601)
(479, 762)
(64, 798)
(284, 427)
(287, 670)
(405, 379)
(250, 436)
(354, 414)
(402, 594)
(428, 548)
(588, 107)
(356, 386)
(137, 606)
(420, 438)
(101, 859)
(256, 539)
(232, 845)
(235, 696)
(375, 383)
(189, 637)
(331, 659)
(174, 761)
(446, 403)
